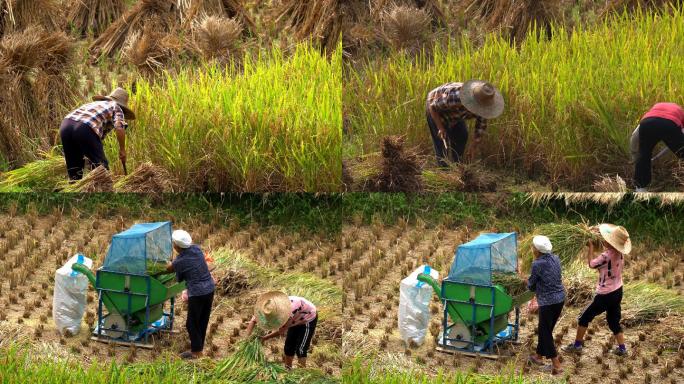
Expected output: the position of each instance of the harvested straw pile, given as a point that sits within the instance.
(400, 171)
(40, 175)
(17, 15)
(645, 302)
(605, 198)
(442, 180)
(511, 282)
(476, 178)
(94, 16)
(430, 7)
(233, 282)
(97, 180)
(511, 17)
(217, 37)
(579, 281)
(568, 241)
(149, 49)
(147, 178)
(607, 183)
(406, 28)
(161, 13)
(318, 20)
(191, 10)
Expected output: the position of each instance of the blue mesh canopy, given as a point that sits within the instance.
(476, 260)
(139, 247)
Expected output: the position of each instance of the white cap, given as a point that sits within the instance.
(542, 244)
(181, 238)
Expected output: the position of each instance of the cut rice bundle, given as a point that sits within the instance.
(511, 282)
(646, 302)
(40, 175)
(319, 20)
(97, 180)
(406, 28)
(17, 15)
(192, 10)
(147, 178)
(218, 37)
(568, 241)
(399, 169)
(607, 183)
(94, 16)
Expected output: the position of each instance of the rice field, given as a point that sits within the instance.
(572, 100)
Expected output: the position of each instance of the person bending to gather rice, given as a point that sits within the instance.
(546, 282)
(450, 105)
(83, 130)
(663, 122)
(291, 315)
(608, 296)
(191, 266)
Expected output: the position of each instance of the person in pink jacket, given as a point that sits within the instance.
(608, 298)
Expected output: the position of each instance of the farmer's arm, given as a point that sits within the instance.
(169, 267)
(594, 262)
(250, 326)
(438, 120)
(120, 128)
(534, 277)
(480, 127)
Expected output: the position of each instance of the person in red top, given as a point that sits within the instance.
(663, 122)
(291, 315)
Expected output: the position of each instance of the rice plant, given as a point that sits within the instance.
(275, 124)
(572, 101)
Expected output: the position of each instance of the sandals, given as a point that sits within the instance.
(533, 360)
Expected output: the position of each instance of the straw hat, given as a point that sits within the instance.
(120, 96)
(616, 236)
(181, 238)
(273, 309)
(542, 244)
(482, 99)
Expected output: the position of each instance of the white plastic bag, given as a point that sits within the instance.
(414, 305)
(70, 299)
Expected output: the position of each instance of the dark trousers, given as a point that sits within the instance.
(457, 137)
(548, 317)
(653, 130)
(299, 337)
(608, 303)
(79, 141)
(199, 309)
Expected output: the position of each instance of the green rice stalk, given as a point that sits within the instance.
(646, 302)
(511, 282)
(568, 241)
(41, 175)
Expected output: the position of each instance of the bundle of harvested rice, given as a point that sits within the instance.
(312, 19)
(94, 16)
(160, 12)
(439, 180)
(233, 282)
(147, 178)
(607, 183)
(511, 282)
(579, 282)
(406, 28)
(646, 302)
(477, 178)
(191, 10)
(40, 175)
(18, 15)
(568, 241)
(431, 7)
(97, 180)
(217, 37)
(606, 198)
(245, 364)
(146, 49)
(400, 171)
(511, 18)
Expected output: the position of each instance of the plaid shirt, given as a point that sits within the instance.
(446, 101)
(101, 116)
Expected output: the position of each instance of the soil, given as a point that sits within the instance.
(379, 257)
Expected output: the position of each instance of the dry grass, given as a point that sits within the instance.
(94, 16)
(218, 37)
(406, 28)
(21, 14)
(147, 178)
(318, 20)
(607, 183)
(192, 10)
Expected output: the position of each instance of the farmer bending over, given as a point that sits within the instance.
(449, 105)
(664, 122)
(190, 266)
(545, 281)
(608, 296)
(293, 315)
(84, 129)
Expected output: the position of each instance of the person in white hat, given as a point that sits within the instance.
(83, 130)
(547, 284)
(190, 265)
(293, 316)
(450, 105)
(608, 298)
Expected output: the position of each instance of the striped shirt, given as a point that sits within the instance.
(546, 281)
(101, 116)
(446, 101)
(609, 265)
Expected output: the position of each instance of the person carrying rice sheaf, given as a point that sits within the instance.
(191, 266)
(663, 122)
(616, 244)
(83, 130)
(450, 105)
(546, 282)
(293, 316)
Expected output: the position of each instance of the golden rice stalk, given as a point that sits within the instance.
(94, 16)
(21, 14)
(97, 180)
(159, 12)
(147, 178)
(607, 183)
(217, 37)
(406, 28)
